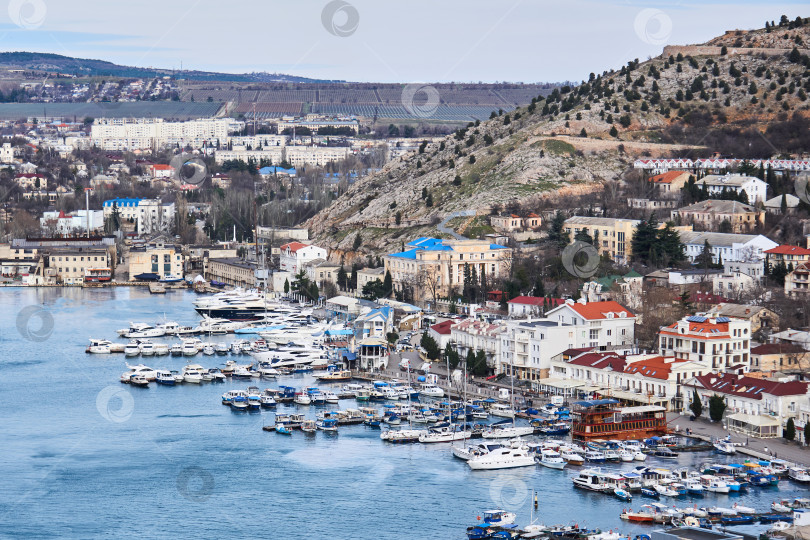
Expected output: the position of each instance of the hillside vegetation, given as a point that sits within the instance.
(742, 94)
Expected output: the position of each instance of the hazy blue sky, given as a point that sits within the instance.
(378, 40)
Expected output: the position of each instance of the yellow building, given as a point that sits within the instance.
(429, 268)
(71, 265)
(611, 236)
(160, 259)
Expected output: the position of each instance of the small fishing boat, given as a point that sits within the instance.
(622, 494)
(594, 456)
(139, 380)
(99, 346)
(664, 453)
(284, 430)
(642, 516)
(665, 490)
(781, 506)
(737, 520)
(327, 424)
(308, 426)
(626, 456)
(694, 487)
(571, 457)
(799, 474)
(499, 518)
(240, 402)
(165, 377)
(647, 492)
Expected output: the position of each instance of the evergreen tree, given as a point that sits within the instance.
(431, 347)
(790, 430)
(556, 231)
(342, 278)
(286, 286)
(696, 406)
(705, 259)
(717, 406)
(807, 433)
(388, 283)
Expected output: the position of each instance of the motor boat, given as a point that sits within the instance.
(468, 452)
(591, 480)
(142, 330)
(133, 348)
(506, 430)
(502, 411)
(139, 380)
(401, 436)
(330, 397)
(147, 348)
(694, 487)
(638, 455)
(268, 398)
(724, 447)
(626, 456)
(302, 399)
(240, 402)
(498, 518)
(148, 373)
(216, 375)
(308, 426)
(254, 398)
(192, 374)
(161, 349)
(571, 457)
(165, 377)
(714, 484)
(444, 434)
(190, 348)
(99, 346)
(799, 474)
(551, 459)
(327, 424)
(221, 348)
(622, 494)
(502, 458)
(208, 350)
(665, 490)
(594, 456)
(431, 390)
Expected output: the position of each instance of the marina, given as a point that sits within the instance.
(116, 434)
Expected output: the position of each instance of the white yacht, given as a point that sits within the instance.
(147, 348)
(502, 458)
(142, 330)
(145, 371)
(165, 377)
(468, 452)
(133, 348)
(431, 390)
(176, 349)
(99, 346)
(192, 373)
(502, 411)
(551, 459)
(444, 434)
(161, 349)
(506, 431)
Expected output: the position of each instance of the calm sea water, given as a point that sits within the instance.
(85, 457)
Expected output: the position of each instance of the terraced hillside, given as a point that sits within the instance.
(726, 96)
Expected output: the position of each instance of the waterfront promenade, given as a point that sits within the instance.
(704, 429)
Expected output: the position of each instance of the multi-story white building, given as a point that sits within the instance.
(638, 378)
(749, 399)
(527, 347)
(146, 133)
(472, 335)
(295, 256)
(755, 189)
(77, 221)
(726, 246)
(714, 342)
(6, 153)
(294, 155)
(609, 323)
(155, 216)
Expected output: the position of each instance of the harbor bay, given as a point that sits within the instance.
(87, 456)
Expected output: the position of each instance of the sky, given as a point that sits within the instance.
(379, 40)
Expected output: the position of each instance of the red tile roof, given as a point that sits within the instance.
(293, 246)
(600, 361)
(665, 178)
(788, 250)
(443, 327)
(749, 387)
(599, 310)
(162, 167)
(656, 367)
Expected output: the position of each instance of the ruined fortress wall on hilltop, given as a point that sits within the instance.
(710, 50)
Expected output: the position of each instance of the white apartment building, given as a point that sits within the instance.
(609, 323)
(726, 246)
(527, 347)
(472, 335)
(294, 155)
(147, 133)
(714, 342)
(6, 153)
(155, 216)
(295, 256)
(254, 142)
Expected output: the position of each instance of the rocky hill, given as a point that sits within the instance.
(743, 92)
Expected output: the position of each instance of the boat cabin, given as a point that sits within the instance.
(604, 419)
